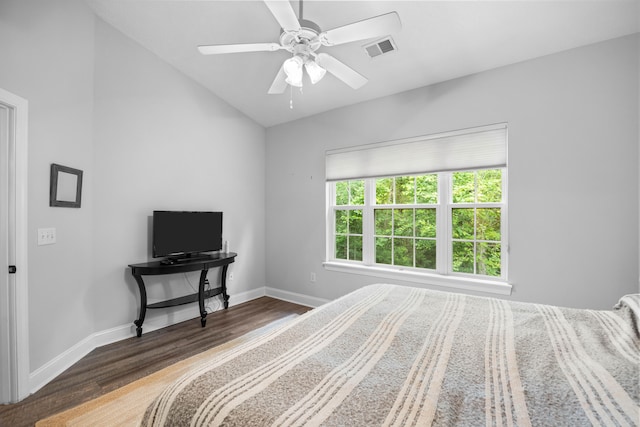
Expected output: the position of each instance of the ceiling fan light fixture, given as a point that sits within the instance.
(316, 72)
(297, 82)
(293, 66)
(293, 69)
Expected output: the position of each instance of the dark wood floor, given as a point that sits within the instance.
(112, 366)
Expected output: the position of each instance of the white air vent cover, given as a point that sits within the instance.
(386, 45)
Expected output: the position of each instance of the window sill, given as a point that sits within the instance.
(455, 282)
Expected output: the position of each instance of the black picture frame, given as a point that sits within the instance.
(65, 189)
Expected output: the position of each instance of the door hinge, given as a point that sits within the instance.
(12, 269)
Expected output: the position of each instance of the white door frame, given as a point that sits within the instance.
(15, 345)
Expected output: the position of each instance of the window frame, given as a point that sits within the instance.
(443, 274)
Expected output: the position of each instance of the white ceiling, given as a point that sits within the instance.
(439, 40)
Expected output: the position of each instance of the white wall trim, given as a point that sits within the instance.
(19, 310)
(451, 282)
(156, 320)
(295, 297)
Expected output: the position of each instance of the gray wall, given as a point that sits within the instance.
(573, 172)
(47, 58)
(163, 142)
(146, 137)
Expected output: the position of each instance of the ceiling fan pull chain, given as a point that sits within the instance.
(290, 97)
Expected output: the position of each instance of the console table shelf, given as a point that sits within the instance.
(187, 299)
(203, 264)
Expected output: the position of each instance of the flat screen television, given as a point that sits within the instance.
(179, 234)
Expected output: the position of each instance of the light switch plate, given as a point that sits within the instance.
(46, 236)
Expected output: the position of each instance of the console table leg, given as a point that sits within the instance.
(143, 305)
(203, 312)
(223, 283)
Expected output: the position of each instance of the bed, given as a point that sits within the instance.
(401, 356)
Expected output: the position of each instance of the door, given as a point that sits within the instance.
(14, 351)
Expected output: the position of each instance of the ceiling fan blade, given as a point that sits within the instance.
(279, 84)
(378, 26)
(236, 48)
(284, 14)
(341, 71)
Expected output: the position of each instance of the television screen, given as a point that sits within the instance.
(183, 232)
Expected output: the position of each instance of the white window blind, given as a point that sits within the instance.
(483, 147)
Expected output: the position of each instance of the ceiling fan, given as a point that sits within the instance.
(302, 38)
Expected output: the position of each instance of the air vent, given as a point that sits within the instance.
(380, 47)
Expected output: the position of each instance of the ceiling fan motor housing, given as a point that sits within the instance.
(303, 41)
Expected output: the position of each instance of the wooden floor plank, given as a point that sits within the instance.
(112, 366)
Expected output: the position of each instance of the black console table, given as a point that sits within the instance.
(203, 264)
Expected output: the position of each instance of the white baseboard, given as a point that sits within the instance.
(47, 372)
(294, 297)
(153, 321)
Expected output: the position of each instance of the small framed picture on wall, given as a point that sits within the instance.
(65, 188)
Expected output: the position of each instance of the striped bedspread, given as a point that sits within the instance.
(399, 356)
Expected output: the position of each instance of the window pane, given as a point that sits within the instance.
(463, 190)
(462, 261)
(355, 248)
(341, 222)
(342, 193)
(426, 254)
(341, 247)
(403, 222)
(356, 191)
(462, 223)
(490, 186)
(383, 222)
(384, 191)
(355, 222)
(405, 190)
(403, 252)
(426, 222)
(427, 189)
(488, 224)
(383, 250)
(488, 259)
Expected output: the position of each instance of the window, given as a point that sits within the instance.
(446, 222)
(476, 218)
(434, 222)
(405, 221)
(348, 219)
